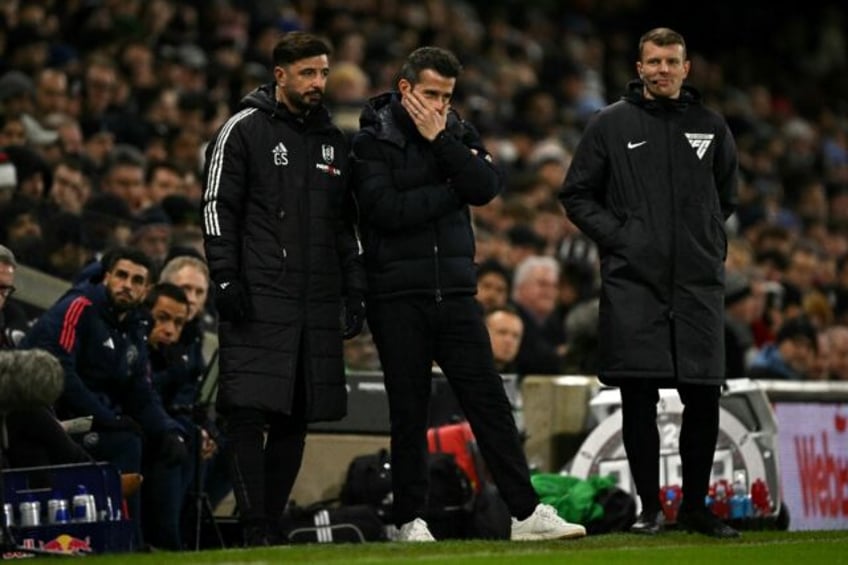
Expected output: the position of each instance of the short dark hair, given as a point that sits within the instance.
(662, 36)
(493, 266)
(434, 58)
(154, 166)
(506, 309)
(111, 258)
(298, 45)
(168, 290)
(798, 327)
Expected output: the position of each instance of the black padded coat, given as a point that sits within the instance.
(652, 182)
(274, 215)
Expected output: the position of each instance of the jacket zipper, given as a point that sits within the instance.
(673, 251)
(304, 231)
(438, 291)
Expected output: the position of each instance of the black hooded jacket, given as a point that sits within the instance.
(652, 182)
(413, 197)
(274, 217)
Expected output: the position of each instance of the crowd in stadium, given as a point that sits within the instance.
(106, 109)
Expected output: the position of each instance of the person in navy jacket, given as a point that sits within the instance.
(98, 333)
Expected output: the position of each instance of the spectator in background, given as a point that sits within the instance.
(163, 179)
(153, 235)
(534, 292)
(51, 93)
(65, 254)
(838, 336)
(106, 222)
(124, 178)
(347, 91)
(524, 242)
(739, 314)
(800, 277)
(505, 332)
(16, 92)
(822, 366)
(33, 173)
(492, 285)
(792, 355)
(71, 187)
(22, 231)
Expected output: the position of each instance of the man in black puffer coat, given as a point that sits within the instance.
(281, 254)
(417, 168)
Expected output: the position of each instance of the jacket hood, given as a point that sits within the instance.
(635, 95)
(264, 100)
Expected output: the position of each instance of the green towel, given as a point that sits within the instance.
(573, 498)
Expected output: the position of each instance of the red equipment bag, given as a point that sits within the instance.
(458, 440)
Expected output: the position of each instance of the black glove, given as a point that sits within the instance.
(354, 315)
(172, 449)
(232, 301)
(119, 424)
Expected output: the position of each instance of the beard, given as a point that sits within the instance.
(304, 102)
(122, 302)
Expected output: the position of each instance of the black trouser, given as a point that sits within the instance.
(410, 334)
(698, 435)
(264, 469)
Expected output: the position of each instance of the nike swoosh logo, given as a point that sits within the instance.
(631, 145)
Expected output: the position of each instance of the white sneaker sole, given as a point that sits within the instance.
(573, 534)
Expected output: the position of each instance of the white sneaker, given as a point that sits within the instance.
(415, 530)
(545, 524)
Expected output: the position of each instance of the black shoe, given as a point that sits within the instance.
(703, 521)
(649, 523)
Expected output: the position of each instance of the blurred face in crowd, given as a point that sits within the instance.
(538, 292)
(300, 85)
(32, 186)
(196, 286)
(169, 319)
(505, 332)
(70, 189)
(101, 83)
(126, 284)
(803, 267)
(7, 282)
(164, 182)
(154, 240)
(13, 133)
(662, 69)
(127, 182)
(799, 353)
(820, 370)
(70, 138)
(51, 93)
(839, 352)
(24, 226)
(492, 291)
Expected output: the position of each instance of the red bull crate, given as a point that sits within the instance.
(47, 513)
